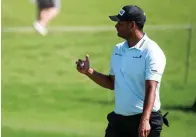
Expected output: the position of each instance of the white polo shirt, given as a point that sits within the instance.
(131, 67)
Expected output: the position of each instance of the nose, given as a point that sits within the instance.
(117, 26)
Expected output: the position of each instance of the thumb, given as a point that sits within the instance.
(87, 58)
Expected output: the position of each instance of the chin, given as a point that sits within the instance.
(120, 36)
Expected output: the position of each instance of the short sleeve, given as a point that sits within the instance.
(155, 65)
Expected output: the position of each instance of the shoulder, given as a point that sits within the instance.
(152, 48)
(119, 48)
(120, 45)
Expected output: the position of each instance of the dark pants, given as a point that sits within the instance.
(127, 126)
(42, 4)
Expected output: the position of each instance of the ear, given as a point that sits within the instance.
(131, 25)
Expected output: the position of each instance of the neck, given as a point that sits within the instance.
(132, 41)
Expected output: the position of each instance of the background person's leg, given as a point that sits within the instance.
(47, 15)
(47, 10)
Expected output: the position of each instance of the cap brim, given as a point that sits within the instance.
(114, 18)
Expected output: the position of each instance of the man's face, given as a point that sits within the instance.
(124, 29)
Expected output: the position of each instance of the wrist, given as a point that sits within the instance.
(90, 71)
(145, 118)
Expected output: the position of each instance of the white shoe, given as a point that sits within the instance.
(39, 28)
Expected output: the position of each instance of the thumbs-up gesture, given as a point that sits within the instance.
(83, 65)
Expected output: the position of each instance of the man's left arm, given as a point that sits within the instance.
(155, 64)
(150, 93)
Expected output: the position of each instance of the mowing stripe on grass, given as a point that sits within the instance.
(92, 28)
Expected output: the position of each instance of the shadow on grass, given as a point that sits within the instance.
(102, 102)
(181, 108)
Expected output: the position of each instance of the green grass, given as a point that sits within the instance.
(42, 93)
(97, 12)
(23, 133)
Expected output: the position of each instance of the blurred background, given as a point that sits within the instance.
(44, 96)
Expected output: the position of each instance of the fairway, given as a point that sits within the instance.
(44, 96)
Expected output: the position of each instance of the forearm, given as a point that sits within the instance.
(101, 79)
(149, 101)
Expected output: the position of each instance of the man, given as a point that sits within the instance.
(137, 65)
(47, 10)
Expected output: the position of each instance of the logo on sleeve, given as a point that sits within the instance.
(153, 70)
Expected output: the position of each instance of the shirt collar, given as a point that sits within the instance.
(139, 45)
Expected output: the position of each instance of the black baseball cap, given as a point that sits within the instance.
(130, 13)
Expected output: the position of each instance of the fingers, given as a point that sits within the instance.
(83, 65)
(87, 58)
(148, 132)
(79, 62)
(80, 66)
(144, 133)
